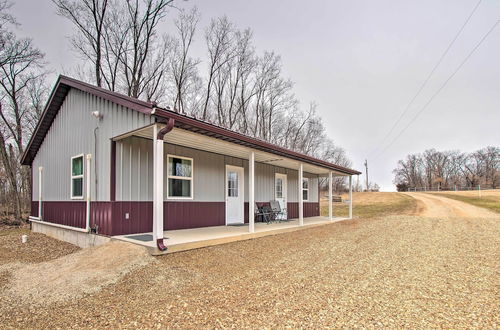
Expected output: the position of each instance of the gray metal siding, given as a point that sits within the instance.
(72, 133)
(134, 180)
(313, 186)
(208, 173)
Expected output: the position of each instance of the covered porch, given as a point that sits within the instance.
(189, 239)
(221, 171)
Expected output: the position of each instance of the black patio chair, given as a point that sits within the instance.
(265, 213)
(279, 213)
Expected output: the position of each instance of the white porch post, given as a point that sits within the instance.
(301, 195)
(251, 193)
(350, 196)
(40, 171)
(157, 186)
(330, 197)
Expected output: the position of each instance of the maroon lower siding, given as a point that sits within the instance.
(65, 213)
(183, 215)
(101, 217)
(34, 209)
(311, 209)
(140, 217)
(111, 218)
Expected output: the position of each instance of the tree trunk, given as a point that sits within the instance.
(10, 171)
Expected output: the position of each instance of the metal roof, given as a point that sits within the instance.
(64, 84)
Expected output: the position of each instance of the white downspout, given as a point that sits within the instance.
(40, 171)
(330, 197)
(88, 192)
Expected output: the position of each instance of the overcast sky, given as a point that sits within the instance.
(361, 61)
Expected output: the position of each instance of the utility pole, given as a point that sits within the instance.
(366, 171)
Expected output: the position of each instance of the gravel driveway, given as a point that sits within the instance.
(442, 207)
(397, 271)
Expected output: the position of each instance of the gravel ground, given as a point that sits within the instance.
(84, 272)
(39, 247)
(397, 271)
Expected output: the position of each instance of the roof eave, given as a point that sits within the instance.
(202, 127)
(62, 86)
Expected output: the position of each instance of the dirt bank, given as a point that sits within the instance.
(72, 276)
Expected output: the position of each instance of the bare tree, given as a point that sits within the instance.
(20, 75)
(449, 169)
(336, 155)
(88, 16)
(219, 39)
(115, 33)
(242, 90)
(16, 76)
(144, 60)
(184, 67)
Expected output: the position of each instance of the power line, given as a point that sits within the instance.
(440, 88)
(429, 75)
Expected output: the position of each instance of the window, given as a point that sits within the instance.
(279, 188)
(232, 184)
(305, 189)
(180, 177)
(77, 177)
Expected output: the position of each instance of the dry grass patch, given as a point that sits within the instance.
(493, 193)
(373, 204)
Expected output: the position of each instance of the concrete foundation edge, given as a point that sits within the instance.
(80, 239)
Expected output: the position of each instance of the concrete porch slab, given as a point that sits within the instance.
(189, 239)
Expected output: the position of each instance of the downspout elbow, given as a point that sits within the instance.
(165, 130)
(161, 245)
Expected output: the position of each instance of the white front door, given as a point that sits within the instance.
(234, 195)
(280, 192)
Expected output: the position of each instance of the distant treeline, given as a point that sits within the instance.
(449, 170)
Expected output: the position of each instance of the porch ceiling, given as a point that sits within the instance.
(190, 139)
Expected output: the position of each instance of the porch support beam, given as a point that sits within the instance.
(157, 187)
(330, 195)
(251, 193)
(301, 195)
(350, 196)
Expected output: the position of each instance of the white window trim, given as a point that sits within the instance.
(305, 179)
(181, 178)
(77, 176)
